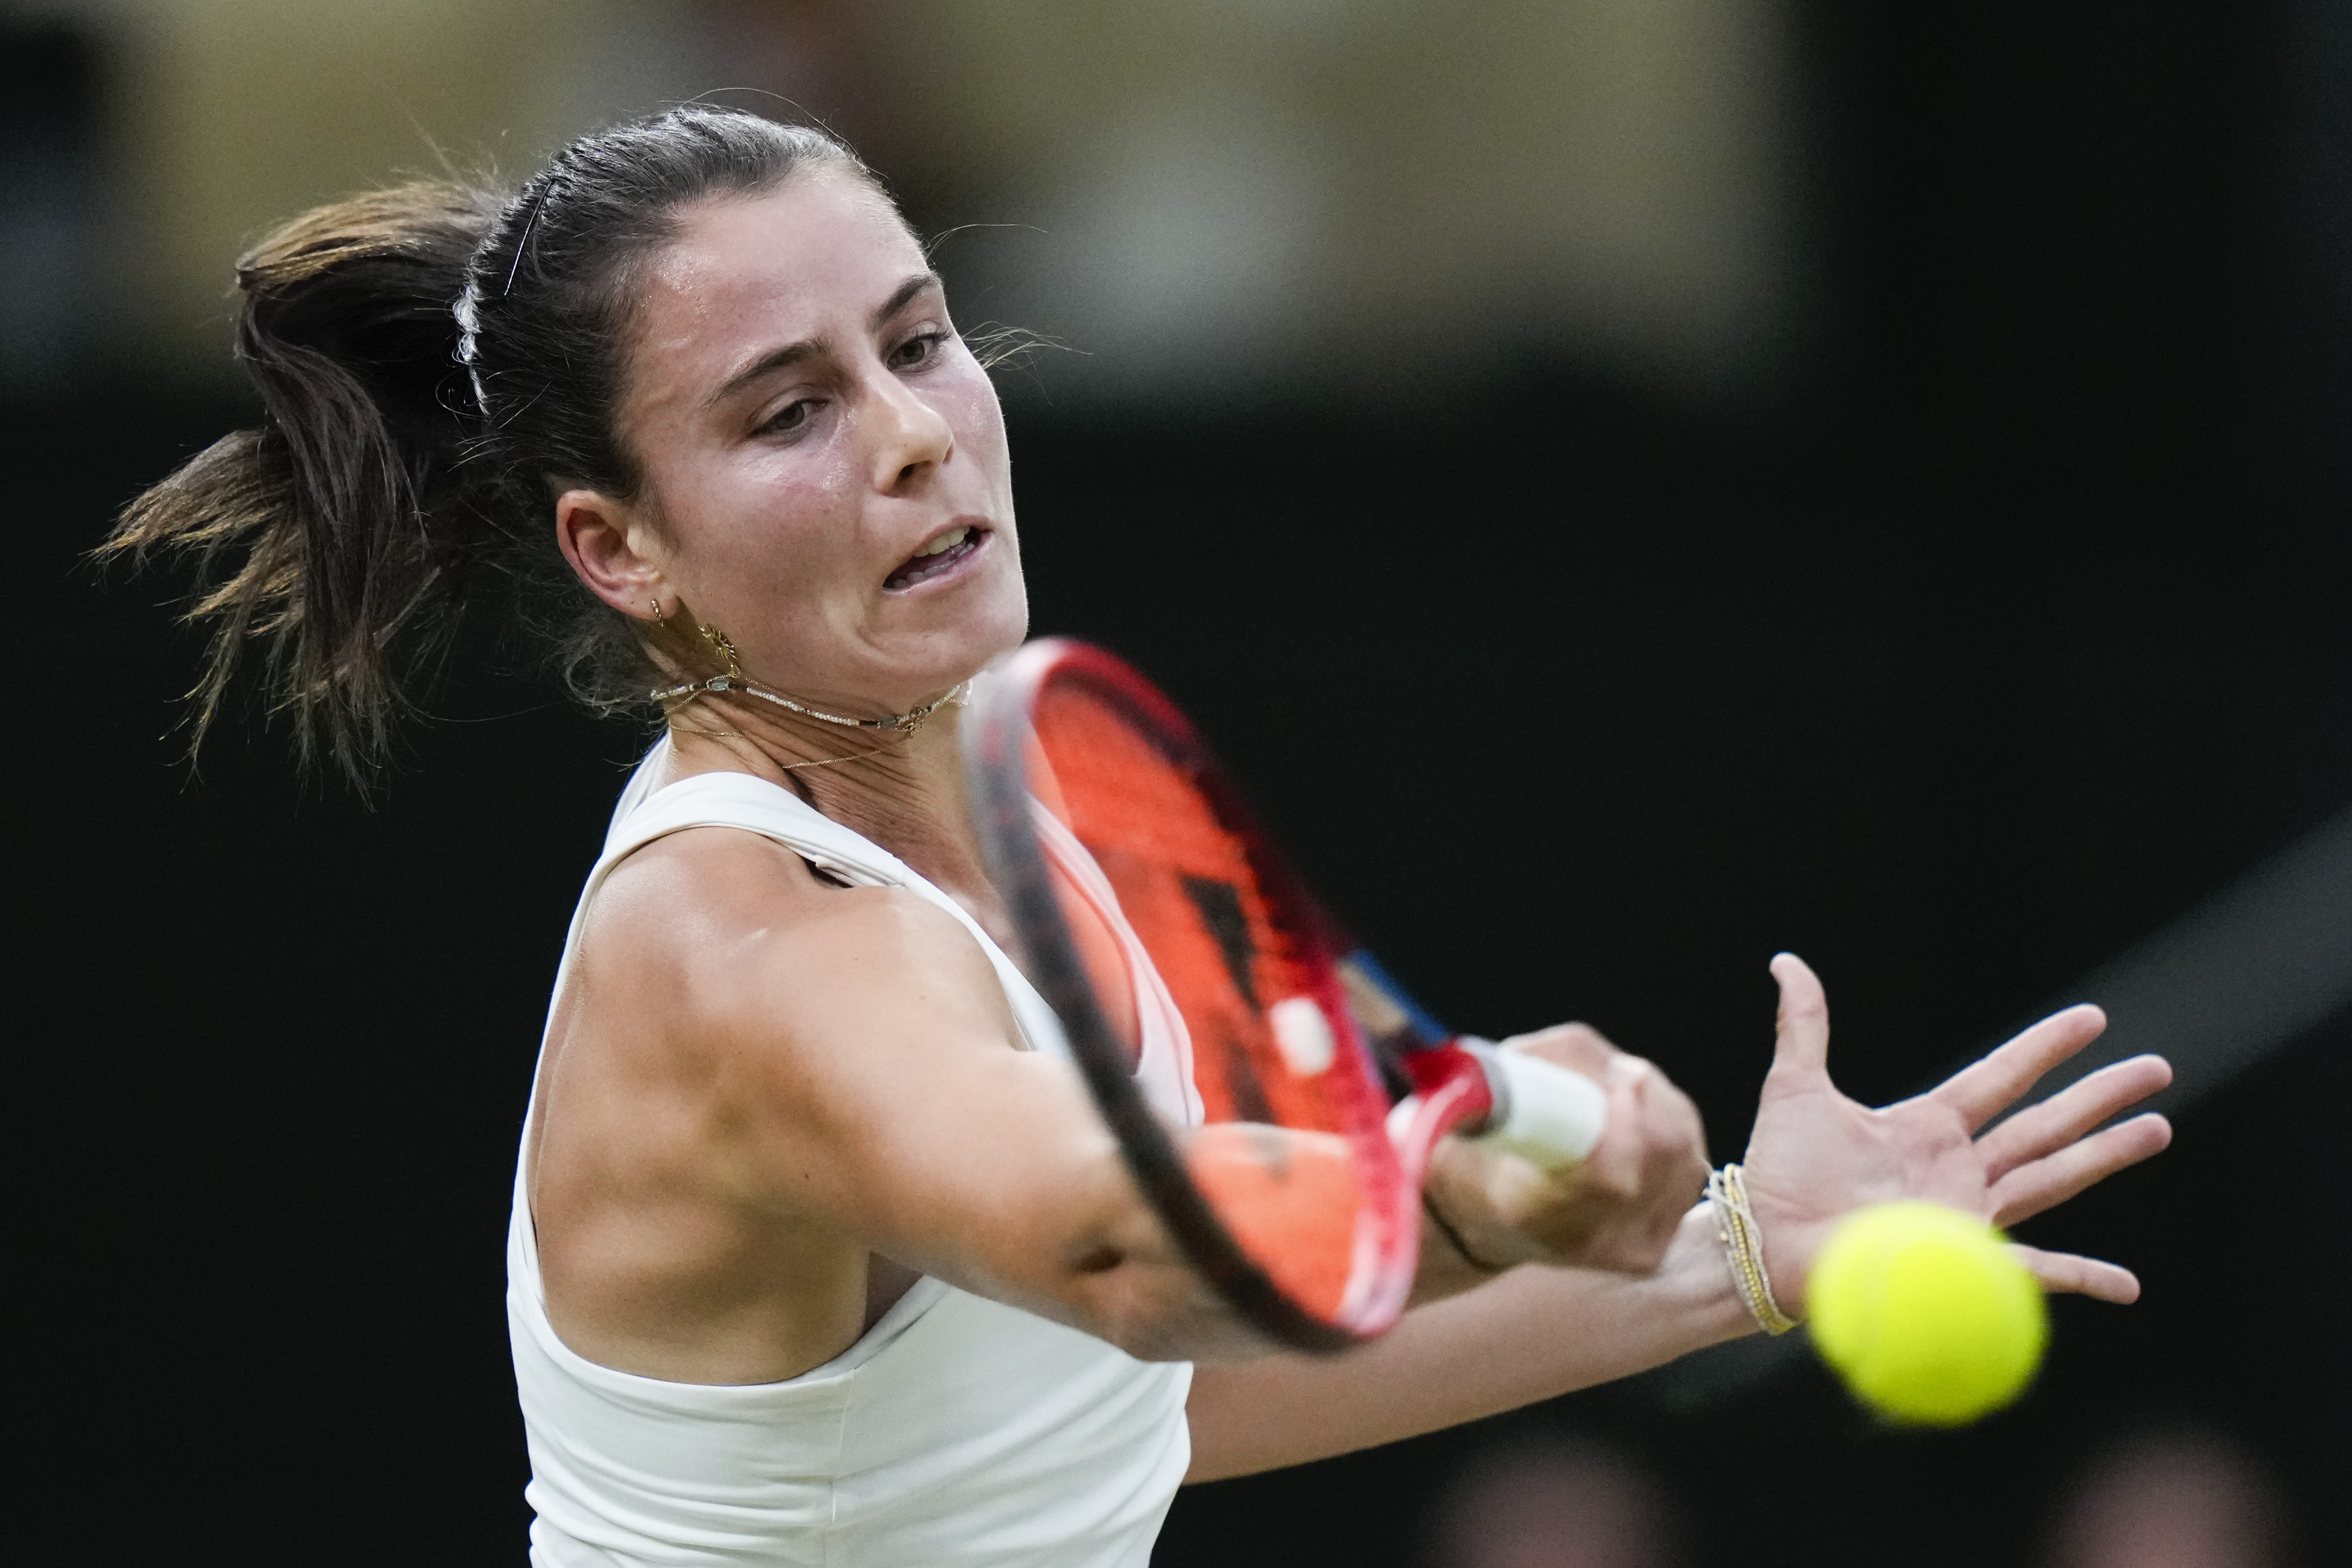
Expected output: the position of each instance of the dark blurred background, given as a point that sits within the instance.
(1632, 488)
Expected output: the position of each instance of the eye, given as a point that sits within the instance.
(791, 418)
(919, 350)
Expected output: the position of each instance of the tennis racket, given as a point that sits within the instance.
(1140, 886)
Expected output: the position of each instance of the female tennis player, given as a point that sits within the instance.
(819, 1252)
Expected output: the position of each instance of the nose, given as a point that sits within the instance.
(911, 438)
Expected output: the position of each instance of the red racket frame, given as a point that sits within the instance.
(1451, 1087)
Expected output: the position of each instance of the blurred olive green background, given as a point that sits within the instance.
(1210, 191)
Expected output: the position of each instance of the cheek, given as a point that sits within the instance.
(968, 401)
(771, 514)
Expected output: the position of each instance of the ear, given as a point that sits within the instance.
(611, 546)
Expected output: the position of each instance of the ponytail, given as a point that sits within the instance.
(402, 461)
(347, 507)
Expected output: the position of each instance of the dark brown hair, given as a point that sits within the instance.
(429, 358)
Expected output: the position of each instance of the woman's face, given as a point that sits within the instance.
(826, 476)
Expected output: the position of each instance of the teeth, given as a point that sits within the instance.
(946, 542)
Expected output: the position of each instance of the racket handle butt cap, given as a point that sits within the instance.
(1548, 1115)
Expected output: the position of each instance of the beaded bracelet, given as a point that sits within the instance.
(1743, 1250)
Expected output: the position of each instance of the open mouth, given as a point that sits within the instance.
(939, 558)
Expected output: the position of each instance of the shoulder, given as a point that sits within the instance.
(726, 921)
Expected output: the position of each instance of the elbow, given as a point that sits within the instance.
(1157, 1311)
(1144, 1309)
(1096, 1252)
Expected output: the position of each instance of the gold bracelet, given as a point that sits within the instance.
(1743, 1250)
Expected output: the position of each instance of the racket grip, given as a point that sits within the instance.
(1547, 1114)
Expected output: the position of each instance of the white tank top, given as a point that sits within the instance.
(957, 1431)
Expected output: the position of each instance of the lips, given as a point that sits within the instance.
(939, 556)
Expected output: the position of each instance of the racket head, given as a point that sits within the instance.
(1312, 1237)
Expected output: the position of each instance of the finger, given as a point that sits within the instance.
(1578, 1047)
(1982, 1090)
(2065, 1116)
(1672, 1170)
(2065, 1275)
(1614, 1167)
(1677, 1144)
(1638, 1073)
(1660, 1121)
(1801, 1032)
(2050, 1181)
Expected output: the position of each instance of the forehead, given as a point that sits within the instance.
(810, 258)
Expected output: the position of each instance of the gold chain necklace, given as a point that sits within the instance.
(734, 680)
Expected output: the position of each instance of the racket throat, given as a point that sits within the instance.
(1454, 1091)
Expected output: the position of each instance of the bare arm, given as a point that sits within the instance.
(1530, 1334)
(887, 1102)
(768, 1079)
(769, 1083)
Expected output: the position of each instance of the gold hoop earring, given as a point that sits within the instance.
(659, 614)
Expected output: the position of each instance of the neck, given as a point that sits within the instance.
(902, 788)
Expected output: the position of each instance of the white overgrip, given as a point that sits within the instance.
(1548, 1115)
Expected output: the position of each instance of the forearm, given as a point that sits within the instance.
(1524, 1336)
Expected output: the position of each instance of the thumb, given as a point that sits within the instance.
(1801, 1042)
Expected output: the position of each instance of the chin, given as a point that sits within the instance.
(1000, 638)
(989, 627)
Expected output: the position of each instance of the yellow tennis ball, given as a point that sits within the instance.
(1925, 1314)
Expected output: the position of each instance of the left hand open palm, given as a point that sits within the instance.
(1815, 1154)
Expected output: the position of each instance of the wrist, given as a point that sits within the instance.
(1740, 1240)
(1700, 1285)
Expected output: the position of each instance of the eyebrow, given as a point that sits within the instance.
(791, 354)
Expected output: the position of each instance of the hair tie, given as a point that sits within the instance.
(467, 309)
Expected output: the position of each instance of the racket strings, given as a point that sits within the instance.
(1188, 885)
(1293, 1157)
